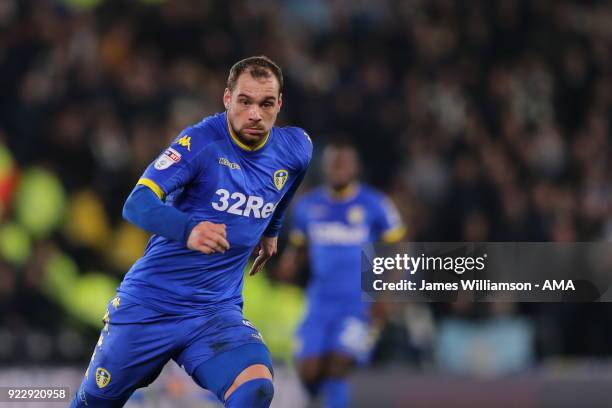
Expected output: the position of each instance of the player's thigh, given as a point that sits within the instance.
(310, 369)
(312, 338)
(351, 336)
(128, 356)
(337, 365)
(225, 372)
(220, 349)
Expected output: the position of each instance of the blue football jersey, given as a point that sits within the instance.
(208, 173)
(335, 229)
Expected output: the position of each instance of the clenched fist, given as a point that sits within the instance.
(208, 237)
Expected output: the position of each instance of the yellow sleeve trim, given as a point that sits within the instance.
(394, 234)
(153, 186)
(297, 238)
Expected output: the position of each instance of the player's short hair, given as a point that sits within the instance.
(342, 143)
(259, 67)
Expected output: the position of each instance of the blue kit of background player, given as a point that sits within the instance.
(335, 228)
(334, 221)
(213, 197)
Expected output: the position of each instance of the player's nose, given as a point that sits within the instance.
(255, 113)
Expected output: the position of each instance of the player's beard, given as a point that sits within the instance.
(252, 138)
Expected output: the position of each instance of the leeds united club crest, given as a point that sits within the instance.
(103, 377)
(280, 178)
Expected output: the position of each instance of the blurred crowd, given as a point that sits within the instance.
(483, 120)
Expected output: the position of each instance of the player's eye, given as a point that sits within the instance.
(244, 102)
(267, 105)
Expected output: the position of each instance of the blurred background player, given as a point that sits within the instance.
(226, 183)
(332, 222)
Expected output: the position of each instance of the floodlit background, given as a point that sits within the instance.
(483, 120)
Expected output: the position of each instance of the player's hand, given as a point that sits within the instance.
(264, 251)
(208, 238)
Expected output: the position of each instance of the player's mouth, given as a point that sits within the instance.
(258, 132)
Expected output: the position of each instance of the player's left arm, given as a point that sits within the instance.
(388, 222)
(268, 244)
(295, 253)
(389, 229)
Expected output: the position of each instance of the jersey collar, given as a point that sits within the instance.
(346, 194)
(241, 145)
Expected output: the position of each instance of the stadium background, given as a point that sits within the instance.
(483, 120)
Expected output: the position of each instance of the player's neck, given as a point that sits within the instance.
(343, 192)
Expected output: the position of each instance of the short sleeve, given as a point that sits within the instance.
(297, 234)
(175, 166)
(301, 146)
(388, 224)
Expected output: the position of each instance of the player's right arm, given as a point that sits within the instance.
(146, 210)
(145, 206)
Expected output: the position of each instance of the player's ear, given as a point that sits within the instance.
(280, 100)
(227, 96)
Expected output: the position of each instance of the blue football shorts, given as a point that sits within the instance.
(335, 327)
(136, 342)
